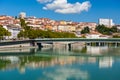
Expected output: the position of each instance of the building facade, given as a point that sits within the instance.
(106, 22)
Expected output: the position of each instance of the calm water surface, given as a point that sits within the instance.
(60, 63)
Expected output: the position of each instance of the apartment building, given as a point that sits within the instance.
(106, 22)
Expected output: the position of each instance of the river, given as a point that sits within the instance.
(60, 63)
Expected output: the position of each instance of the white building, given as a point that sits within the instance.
(62, 28)
(106, 22)
(14, 29)
(22, 15)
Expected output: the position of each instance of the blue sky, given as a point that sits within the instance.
(74, 10)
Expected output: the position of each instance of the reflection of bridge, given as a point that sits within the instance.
(39, 42)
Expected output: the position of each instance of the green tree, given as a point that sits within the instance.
(105, 30)
(21, 34)
(85, 30)
(3, 32)
(22, 23)
(32, 34)
(114, 29)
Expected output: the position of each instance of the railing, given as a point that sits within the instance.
(78, 39)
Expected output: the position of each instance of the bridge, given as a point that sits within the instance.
(76, 40)
(39, 41)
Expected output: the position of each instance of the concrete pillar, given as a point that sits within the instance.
(109, 44)
(99, 44)
(116, 44)
(66, 46)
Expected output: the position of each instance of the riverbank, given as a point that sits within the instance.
(10, 48)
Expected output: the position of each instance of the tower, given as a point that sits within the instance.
(22, 15)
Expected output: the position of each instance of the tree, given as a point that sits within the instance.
(114, 29)
(3, 32)
(85, 30)
(32, 34)
(105, 30)
(21, 34)
(22, 23)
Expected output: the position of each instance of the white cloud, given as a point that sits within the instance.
(44, 1)
(62, 6)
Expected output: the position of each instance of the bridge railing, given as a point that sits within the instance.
(81, 39)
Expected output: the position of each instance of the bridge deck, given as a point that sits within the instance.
(59, 40)
(77, 40)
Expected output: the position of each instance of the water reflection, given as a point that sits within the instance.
(106, 62)
(58, 63)
(81, 50)
(66, 73)
(34, 62)
(58, 68)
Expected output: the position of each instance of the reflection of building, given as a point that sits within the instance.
(12, 59)
(96, 50)
(22, 70)
(26, 63)
(105, 62)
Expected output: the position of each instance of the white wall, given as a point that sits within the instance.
(14, 32)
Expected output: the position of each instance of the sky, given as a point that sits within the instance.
(69, 10)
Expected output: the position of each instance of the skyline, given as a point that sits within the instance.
(69, 10)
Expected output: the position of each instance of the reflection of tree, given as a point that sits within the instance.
(29, 59)
(83, 50)
(3, 63)
(23, 61)
(115, 50)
